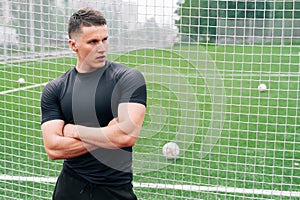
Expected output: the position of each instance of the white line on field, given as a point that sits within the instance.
(196, 188)
(27, 178)
(193, 188)
(22, 88)
(235, 74)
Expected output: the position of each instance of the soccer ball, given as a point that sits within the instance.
(21, 81)
(171, 150)
(262, 87)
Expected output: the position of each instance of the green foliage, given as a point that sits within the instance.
(199, 17)
(288, 9)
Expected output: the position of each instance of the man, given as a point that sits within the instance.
(92, 116)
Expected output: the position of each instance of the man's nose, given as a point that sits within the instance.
(100, 47)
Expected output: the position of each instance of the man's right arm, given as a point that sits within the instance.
(59, 147)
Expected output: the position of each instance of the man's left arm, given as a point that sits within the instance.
(121, 132)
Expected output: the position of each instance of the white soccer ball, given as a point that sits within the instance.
(171, 150)
(21, 81)
(262, 87)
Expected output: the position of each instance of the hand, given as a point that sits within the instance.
(70, 130)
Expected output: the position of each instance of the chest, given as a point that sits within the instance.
(89, 102)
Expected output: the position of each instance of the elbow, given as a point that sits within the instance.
(127, 143)
(52, 155)
(128, 140)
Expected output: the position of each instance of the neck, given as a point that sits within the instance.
(87, 69)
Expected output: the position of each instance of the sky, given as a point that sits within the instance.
(161, 10)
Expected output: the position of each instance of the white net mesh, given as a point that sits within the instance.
(203, 62)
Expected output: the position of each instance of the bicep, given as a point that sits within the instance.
(132, 102)
(51, 130)
(132, 114)
(130, 121)
(59, 147)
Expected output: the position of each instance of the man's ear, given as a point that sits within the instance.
(72, 45)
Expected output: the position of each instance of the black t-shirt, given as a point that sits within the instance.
(92, 99)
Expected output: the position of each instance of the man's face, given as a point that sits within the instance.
(91, 46)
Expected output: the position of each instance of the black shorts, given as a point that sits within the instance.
(70, 186)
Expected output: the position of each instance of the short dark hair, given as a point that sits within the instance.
(85, 17)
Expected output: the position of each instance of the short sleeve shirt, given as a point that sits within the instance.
(92, 99)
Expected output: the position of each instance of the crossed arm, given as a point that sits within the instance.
(63, 141)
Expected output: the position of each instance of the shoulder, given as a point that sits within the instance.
(130, 84)
(57, 84)
(123, 71)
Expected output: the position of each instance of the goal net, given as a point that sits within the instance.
(203, 62)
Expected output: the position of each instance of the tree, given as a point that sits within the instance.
(188, 23)
(199, 17)
(287, 9)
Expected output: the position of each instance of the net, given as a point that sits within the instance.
(203, 62)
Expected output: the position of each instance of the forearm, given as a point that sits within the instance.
(120, 132)
(115, 136)
(58, 146)
(65, 147)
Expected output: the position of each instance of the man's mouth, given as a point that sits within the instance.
(100, 58)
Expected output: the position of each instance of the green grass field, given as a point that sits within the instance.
(203, 97)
